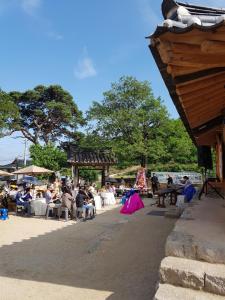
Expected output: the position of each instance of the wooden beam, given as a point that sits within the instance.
(223, 133)
(176, 71)
(204, 103)
(197, 122)
(75, 176)
(203, 95)
(203, 118)
(202, 99)
(205, 107)
(207, 76)
(206, 47)
(199, 75)
(199, 114)
(213, 47)
(103, 176)
(206, 115)
(191, 59)
(206, 139)
(208, 125)
(218, 81)
(194, 37)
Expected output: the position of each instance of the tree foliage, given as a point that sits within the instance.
(48, 157)
(180, 147)
(137, 127)
(46, 114)
(8, 113)
(128, 118)
(88, 175)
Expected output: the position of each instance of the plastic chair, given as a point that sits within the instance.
(51, 207)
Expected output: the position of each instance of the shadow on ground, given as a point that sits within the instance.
(112, 253)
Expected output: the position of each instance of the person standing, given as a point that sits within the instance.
(155, 183)
(169, 181)
(68, 201)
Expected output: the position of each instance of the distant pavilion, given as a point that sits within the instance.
(92, 160)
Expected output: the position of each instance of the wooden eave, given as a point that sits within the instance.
(192, 63)
(92, 159)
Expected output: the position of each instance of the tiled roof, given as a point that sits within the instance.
(17, 163)
(182, 17)
(86, 158)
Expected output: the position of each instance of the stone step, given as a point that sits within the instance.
(199, 233)
(169, 292)
(193, 274)
(181, 244)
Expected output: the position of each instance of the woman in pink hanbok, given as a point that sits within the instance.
(132, 203)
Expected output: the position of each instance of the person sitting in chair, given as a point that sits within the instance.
(84, 204)
(24, 200)
(188, 189)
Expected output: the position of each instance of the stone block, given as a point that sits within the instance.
(182, 272)
(215, 279)
(180, 245)
(210, 252)
(169, 292)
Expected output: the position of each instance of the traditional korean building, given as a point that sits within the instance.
(14, 165)
(189, 50)
(95, 160)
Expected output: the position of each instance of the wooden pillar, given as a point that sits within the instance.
(107, 171)
(103, 176)
(75, 175)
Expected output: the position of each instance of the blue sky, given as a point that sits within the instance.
(83, 45)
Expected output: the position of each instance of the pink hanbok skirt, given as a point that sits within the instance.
(133, 204)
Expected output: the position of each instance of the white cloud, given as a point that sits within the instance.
(85, 67)
(30, 6)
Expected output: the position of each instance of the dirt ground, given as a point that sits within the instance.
(113, 257)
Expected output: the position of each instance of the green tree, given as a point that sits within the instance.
(88, 175)
(46, 114)
(48, 156)
(128, 119)
(180, 148)
(8, 114)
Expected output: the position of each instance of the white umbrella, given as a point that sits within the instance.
(3, 173)
(33, 170)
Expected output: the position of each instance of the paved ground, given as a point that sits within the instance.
(113, 257)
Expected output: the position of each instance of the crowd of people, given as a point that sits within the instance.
(79, 200)
(82, 201)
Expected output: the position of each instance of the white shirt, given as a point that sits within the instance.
(48, 196)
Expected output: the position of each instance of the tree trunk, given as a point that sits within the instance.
(144, 161)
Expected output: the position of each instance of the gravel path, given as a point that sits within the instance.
(113, 257)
